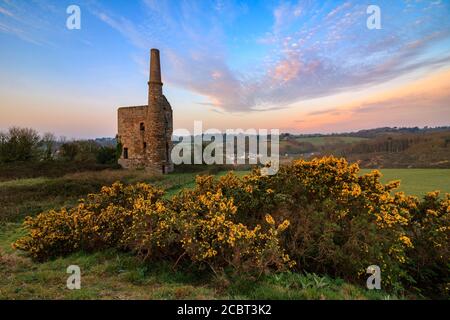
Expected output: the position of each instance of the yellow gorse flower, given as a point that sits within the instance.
(269, 219)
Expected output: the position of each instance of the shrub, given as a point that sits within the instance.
(429, 257)
(107, 155)
(341, 222)
(212, 233)
(96, 223)
(200, 228)
(321, 216)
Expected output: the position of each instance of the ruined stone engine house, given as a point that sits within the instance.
(145, 132)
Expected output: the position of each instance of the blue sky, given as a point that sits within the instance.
(229, 63)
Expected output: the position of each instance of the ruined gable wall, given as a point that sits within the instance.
(130, 135)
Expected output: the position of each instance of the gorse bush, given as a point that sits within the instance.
(318, 216)
(98, 222)
(137, 218)
(203, 228)
(341, 222)
(429, 256)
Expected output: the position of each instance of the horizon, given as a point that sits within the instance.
(298, 66)
(281, 133)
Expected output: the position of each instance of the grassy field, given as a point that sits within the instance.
(118, 275)
(418, 181)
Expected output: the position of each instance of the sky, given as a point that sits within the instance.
(298, 66)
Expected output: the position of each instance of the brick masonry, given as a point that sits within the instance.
(145, 132)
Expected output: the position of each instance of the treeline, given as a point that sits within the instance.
(399, 143)
(27, 145)
(372, 133)
(383, 144)
(297, 147)
(413, 150)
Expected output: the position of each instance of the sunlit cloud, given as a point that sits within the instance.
(424, 102)
(316, 50)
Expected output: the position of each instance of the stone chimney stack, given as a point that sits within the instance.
(155, 84)
(157, 135)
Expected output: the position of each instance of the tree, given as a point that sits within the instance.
(119, 147)
(69, 151)
(19, 144)
(48, 141)
(87, 150)
(107, 155)
(3, 146)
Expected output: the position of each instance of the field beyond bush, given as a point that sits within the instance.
(417, 182)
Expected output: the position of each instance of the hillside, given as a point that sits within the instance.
(377, 148)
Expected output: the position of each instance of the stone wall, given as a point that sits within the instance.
(146, 131)
(130, 135)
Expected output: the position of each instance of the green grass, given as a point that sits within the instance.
(24, 182)
(417, 181)
(53, 169)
